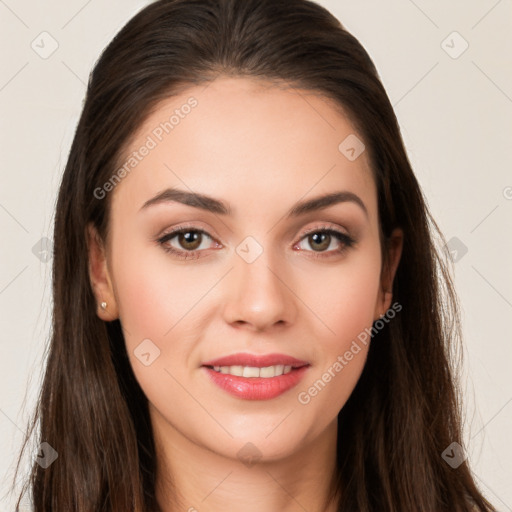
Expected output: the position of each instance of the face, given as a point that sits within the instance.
(259, 279)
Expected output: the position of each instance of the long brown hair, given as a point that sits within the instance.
(405, 409)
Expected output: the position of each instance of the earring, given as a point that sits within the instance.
(103, 305)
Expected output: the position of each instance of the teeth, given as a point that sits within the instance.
(236, 370)
(268, 371)
(252, 371)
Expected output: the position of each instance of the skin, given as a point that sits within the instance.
(260, 149)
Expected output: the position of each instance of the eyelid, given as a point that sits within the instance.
(325, 226)
(183, 227)
(195, 227)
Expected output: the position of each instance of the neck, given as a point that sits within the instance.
(193, 478)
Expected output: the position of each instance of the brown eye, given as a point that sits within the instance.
(185, 242)
(321, 239)
(190, 240)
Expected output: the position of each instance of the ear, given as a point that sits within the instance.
(100, 277)
(394, 252)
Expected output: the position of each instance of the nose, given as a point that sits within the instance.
(260, 295)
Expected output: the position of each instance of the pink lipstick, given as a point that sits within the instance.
(256, 377)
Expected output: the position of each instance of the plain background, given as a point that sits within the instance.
(454, 105)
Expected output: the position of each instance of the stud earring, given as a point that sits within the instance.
(103, 305)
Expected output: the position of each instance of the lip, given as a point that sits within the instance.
(256, 388)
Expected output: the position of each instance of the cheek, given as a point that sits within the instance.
(154, 297)
(343, 297)
(168, 304)
(345, 301)
(156, 308)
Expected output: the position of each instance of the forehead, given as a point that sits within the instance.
(240, 139)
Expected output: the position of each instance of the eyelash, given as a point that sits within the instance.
(346, 241)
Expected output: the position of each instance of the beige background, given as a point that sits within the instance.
(455, 112)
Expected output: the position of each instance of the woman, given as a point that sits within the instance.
(249, 309)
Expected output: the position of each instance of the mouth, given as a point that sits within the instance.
(256, 377)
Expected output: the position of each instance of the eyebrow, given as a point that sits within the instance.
(217, 206)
